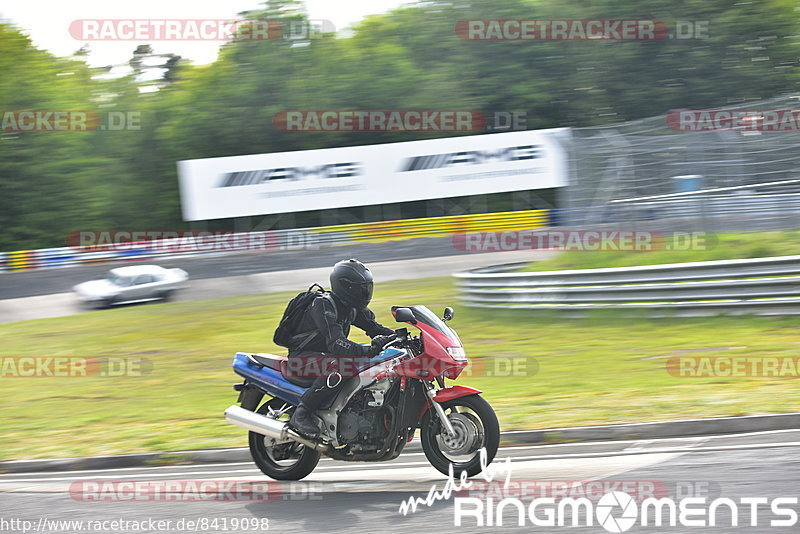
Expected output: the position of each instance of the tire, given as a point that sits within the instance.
(165, 296)
(307, 459)
(474, 407)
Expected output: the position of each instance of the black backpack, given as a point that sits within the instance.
(288, 329)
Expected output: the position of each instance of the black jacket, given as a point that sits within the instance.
(327, 323)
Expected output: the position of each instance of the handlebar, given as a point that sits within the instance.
(393, 342)
(401, 340)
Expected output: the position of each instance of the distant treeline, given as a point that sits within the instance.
(123, 174)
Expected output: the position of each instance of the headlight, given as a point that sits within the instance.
(457, 353)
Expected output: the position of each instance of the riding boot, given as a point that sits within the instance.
(303, 419)
(304, 422)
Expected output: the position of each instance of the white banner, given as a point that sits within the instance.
(283, 182)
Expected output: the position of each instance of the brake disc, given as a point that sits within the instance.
(479, 436)
(468, 435)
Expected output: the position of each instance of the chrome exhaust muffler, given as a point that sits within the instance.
(261, 424)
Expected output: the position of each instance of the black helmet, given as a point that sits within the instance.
(351, 281)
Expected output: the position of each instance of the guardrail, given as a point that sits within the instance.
(728, 212)
(271, 240)
(761, 286)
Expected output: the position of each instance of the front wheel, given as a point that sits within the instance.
(285, 461)
(476, 427)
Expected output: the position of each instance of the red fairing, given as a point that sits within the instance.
(446, 394)
(435, 360)
(454, 392)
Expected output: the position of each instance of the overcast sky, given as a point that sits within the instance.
(47, 21)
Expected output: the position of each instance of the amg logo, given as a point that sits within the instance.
(294, 174)
(473, 157)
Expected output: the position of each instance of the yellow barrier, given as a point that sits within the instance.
(438, 226)
(21, 260)
(377, 232)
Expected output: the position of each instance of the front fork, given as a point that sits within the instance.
(430, 391)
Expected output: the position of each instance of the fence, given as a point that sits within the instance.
(274, 240)
(762, 286)
(626, 162)
(708, 213)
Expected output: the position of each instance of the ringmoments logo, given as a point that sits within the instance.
(618, 511)
(621, 503)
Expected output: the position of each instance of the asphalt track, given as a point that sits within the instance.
(46, 281)
(46, 293)
(347, 497)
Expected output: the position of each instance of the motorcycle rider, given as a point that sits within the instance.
(325, 327)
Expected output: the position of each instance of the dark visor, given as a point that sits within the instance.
(360, 290)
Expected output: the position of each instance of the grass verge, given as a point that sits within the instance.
(569, 372)
(710, 247)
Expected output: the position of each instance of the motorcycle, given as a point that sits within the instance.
(383, 401)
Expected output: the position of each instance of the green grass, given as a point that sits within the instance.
(712, 247)
(597, 370)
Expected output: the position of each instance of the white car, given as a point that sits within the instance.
(136, 283)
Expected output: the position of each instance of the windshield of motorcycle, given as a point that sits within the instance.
(426, 316)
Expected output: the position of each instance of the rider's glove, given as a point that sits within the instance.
(379, 341)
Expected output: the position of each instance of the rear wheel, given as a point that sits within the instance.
(285, 461)
(476, 428)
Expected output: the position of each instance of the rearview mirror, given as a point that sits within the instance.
(404, 315)
(448, 314)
